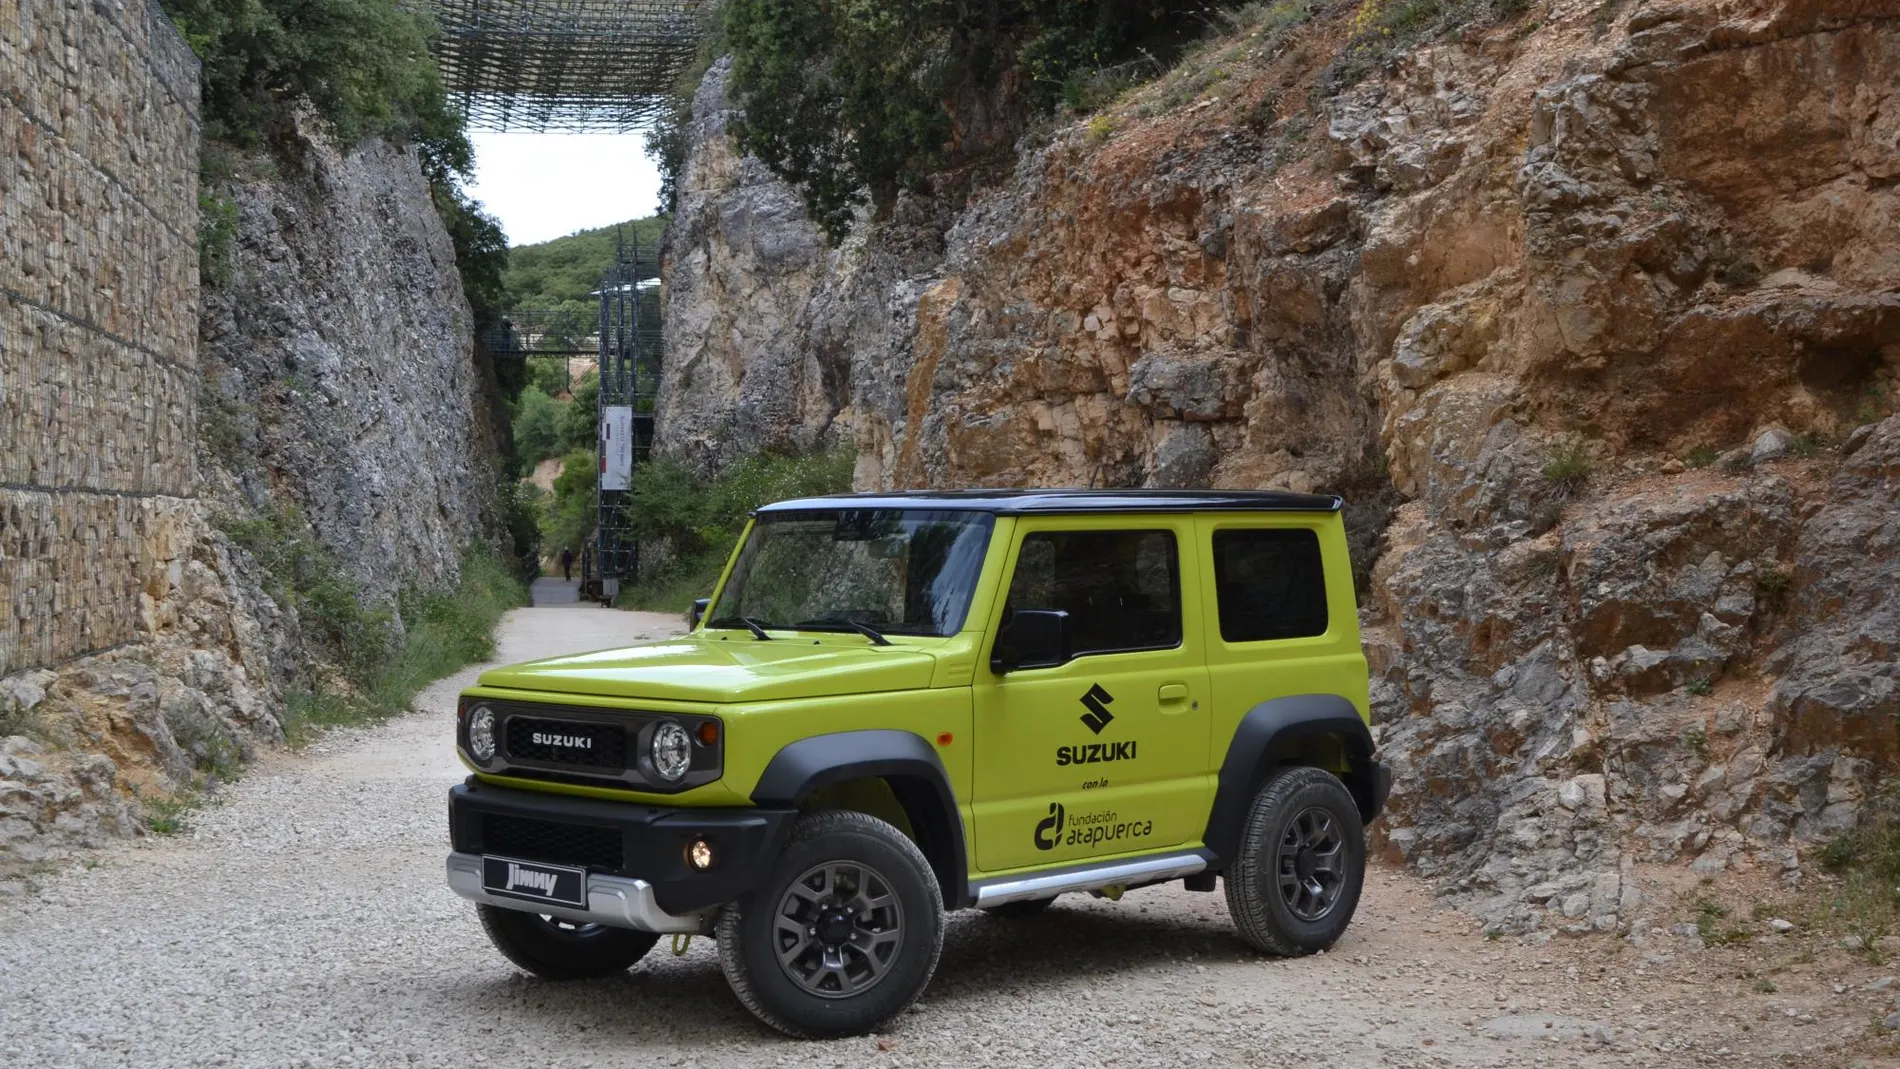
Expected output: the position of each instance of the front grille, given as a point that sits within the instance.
(558, 844)
(608, 749)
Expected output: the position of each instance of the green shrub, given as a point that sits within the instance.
(521, 504)
(537, 426)
(1567, 466)
(442, 631)
(579, 423)
(362, 66)
(573, 509)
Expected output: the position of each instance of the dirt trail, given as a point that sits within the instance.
(302, 921)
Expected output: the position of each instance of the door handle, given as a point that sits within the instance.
(1171, 693)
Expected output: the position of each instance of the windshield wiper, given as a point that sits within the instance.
(747, 622)
(877, 637)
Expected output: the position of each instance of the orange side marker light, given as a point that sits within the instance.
(944, 738)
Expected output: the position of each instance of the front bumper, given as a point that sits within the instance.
(611, 900)
(634, 854)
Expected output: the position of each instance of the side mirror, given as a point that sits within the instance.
(697, 613)
(1033, 638)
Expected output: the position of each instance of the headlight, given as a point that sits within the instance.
(672, 751)
(481, 734)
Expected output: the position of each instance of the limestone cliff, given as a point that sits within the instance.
(1592, 314)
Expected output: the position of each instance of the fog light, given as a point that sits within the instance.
(481, 734)
(699, 855)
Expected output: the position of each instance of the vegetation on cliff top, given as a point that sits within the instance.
(360, 68)
(856, 102)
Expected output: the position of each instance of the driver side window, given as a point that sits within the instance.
(1121, 589)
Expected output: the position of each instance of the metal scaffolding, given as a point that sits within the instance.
(631, 348)
(565, 65)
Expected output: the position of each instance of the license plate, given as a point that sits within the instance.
(534, 881)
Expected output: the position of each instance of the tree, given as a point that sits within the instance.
(856, 100)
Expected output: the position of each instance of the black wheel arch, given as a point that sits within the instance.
(907, 763)
(1324, 730)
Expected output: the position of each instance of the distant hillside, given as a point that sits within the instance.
(569, 268)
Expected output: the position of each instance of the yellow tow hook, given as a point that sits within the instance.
(1113, 892)
(681, 940)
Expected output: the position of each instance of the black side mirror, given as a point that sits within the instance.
(1033, 638)
(697, 612)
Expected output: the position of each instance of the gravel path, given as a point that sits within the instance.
(302, 921)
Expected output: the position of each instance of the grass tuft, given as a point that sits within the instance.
(1567, 466)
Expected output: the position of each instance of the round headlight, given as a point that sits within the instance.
(672, 751)
(481, 734)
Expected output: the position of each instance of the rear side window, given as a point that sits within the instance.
(1121, 589)
(1269, 584)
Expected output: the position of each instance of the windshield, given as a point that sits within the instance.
(899, 571)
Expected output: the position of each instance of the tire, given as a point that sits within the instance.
(1302, 864)
(555, 949)
(833, 858)
(1028, 907)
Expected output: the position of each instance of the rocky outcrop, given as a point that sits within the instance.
(1575, 312)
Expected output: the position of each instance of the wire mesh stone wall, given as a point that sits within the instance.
(98, 320)
(570, 65)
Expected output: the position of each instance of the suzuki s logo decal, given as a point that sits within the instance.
(572, 742)
(1049, 831)
(539, 882)
(1098, 701)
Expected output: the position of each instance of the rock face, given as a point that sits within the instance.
(1574, 314)
(339, 365)
(138, 649)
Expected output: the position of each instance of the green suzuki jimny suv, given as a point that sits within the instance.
(895, 705)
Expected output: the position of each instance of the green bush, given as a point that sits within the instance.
(579, 423)
(362, 66)
(443, 631)
(537, 426)
(521, 507)
(573, 510)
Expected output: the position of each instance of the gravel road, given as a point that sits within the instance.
(302, 921)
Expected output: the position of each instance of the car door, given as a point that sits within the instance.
(1104, 755)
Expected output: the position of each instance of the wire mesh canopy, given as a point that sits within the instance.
(565, 65)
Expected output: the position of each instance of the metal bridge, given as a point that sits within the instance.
(625, 338)
(565, 65)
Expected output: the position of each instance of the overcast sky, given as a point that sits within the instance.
(544, 186)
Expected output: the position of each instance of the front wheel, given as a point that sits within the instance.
(1302, 863)
(841, 936)
(556, 949)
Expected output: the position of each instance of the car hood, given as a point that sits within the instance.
(696, 669)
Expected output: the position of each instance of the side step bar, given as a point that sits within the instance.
(1090, 878)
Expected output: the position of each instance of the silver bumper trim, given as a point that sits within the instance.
(615, 901)
(1090, 878)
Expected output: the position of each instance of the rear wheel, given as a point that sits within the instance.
(1302, 864)
(1028, 907)
(556, 949)
(842, 934)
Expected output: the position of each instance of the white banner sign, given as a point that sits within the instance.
(616, 448)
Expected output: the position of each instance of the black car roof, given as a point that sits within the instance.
(1024, 502)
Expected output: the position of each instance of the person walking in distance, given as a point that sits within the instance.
(567, 565)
